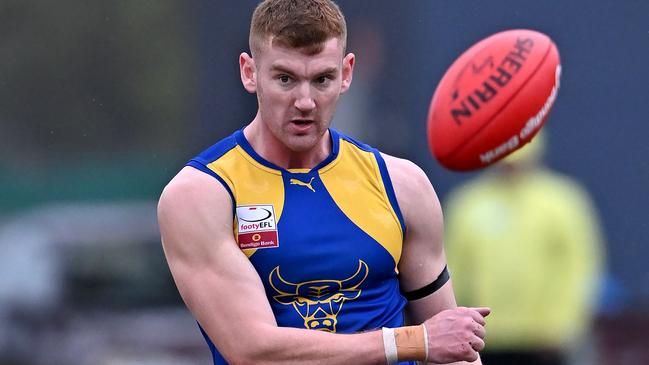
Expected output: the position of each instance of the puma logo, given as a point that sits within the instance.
(302, 183)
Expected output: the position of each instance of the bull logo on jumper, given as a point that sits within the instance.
(318, 301)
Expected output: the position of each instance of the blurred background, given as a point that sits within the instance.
(102, 102)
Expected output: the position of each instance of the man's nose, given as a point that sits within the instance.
(304, 101)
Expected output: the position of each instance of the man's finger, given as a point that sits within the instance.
(484, 311)
(478, 314)
(477, 344)
(479, 331)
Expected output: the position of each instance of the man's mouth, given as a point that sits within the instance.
(301, 126)
(302, 121)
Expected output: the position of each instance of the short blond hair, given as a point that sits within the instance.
(299, 24)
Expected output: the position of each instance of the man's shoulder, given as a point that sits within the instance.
(404, 172)
(189, 189)
(414, 192)
(188, 181)
(397, 167)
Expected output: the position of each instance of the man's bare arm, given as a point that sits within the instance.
(224, 292)
(451, 330)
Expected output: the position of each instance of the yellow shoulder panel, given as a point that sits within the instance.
(355, 184)
(251, 183)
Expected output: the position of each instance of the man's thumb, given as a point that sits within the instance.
(484, 311)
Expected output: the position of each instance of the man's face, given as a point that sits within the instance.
(298, 93)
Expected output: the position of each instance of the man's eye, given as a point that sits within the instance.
(284, 79)
(322, 79)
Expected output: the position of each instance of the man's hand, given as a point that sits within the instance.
(456, 334)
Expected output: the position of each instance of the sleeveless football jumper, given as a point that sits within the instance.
(325, 241)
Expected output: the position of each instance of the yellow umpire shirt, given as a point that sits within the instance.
(528, 247)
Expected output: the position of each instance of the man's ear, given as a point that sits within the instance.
(248, 72)
(347, 72)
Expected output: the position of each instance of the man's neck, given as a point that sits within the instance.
(271, 149)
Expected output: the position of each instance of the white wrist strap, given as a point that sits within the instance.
(390, 345)
(425, 341)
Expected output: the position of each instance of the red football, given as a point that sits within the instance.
(493, 99)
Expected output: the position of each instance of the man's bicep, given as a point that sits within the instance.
(215, 279)
(425, 279)
(422, 263)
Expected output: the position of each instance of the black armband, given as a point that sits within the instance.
(430, 288)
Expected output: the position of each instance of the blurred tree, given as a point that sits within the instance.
(93, 78)
(92, 84)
